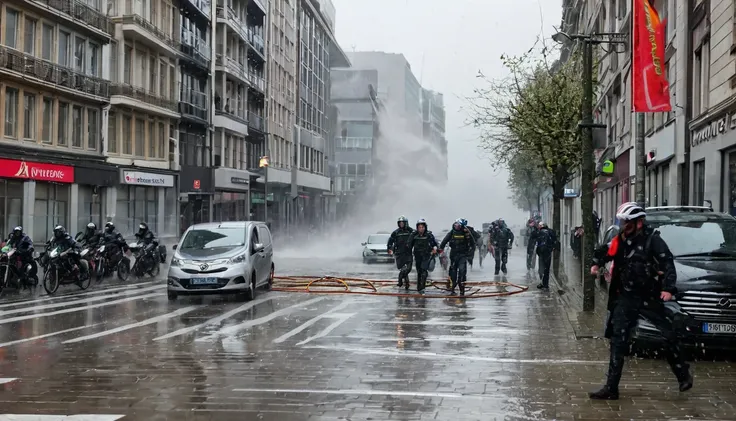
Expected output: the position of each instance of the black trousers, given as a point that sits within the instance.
(623, 319)
(501, 255)
(403, 264)
(545, 261)
(458, 270)
(422, 263)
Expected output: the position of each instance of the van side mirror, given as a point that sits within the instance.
(174, 246)
(363, 244)
(258, 247)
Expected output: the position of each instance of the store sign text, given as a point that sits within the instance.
(36, 171)
(714, 129)
(148, 179)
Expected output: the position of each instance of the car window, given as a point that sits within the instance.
(378, 239)
(688, 237)
(265, 236)
(213, 238)
(253, 240)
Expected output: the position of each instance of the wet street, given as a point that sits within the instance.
(123, 351)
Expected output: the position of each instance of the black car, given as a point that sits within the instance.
(703, 243)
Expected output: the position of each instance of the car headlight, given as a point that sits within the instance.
(369, 252)
(175, 262)
(237, 259)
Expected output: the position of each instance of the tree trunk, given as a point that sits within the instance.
(558, 192)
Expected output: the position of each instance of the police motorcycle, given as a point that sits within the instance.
(103, 262)
(42, 258)
(147, 260)
(63, 271)
(13, 273)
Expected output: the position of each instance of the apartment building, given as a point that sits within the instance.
(53, 96)
(433, 130)
(240, 107)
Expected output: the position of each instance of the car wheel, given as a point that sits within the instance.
(271, 275)
(172, 296)
(250, 294)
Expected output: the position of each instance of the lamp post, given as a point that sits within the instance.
(587, 165)
(263, 163)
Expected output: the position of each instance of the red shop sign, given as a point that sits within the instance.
(10, 168)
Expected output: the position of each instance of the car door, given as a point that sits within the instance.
(265, 236)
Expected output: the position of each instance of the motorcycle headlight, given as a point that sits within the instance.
(102, 249)
(237, 259)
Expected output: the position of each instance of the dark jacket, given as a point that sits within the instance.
(545, 240)
(24, 244)
(533, 233)
(422, 245)
(398, 242)
(91, 238)
(112, 237)
(65, 242)
(636, 263)
(502, 237)
(476, 235)
(147, 238)
(461, 242)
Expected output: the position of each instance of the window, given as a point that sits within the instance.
(140, 137)
(127, 59)
(48, 120)
(127, 138)
(699, 183)
(79, 52)
(89, 207)
(114, 71)
(152, 77)
(47, 42)
(29, 36)
(11, 27)
(77, 126)
(161, 140)
(11, 204)
(94, 59)
(112, 133)
(63, 55)
(11, 112)
(29, 116)
(140, 58)
(152, 143)
(136, 204)
(665, 185)
(701, 74)
(50, 209)
(93, 129)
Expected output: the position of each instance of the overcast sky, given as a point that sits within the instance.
(447, 43)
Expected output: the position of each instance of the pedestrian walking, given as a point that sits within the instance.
(546, 240)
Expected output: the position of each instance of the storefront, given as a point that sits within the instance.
(93, 185)
(232, 188)
(197, 189)
(146, 197)
(713, 161)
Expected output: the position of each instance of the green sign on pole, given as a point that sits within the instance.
(607, 168)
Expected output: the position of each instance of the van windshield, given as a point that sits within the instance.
(214, 239)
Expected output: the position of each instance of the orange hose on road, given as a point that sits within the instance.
(309, 284)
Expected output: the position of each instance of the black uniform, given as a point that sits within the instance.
(462, 246)
(502, 238)
(533, 231)
(635, 289)
(546, 242)
(478, 242)
(91, 237)
(422, 245)
(23, 245)
(398, 242)
(67, 242)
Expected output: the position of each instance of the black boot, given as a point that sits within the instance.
(605, 393)
(401, 280)
(503, 269)
(462, 288)
(609, 392)
(687, 383)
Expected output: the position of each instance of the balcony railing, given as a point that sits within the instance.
(255, 122)
(202, 5)
(45, 72)
(221, 109)
(188, 109)
(141, 94)
(257, 82)
(351, 143)
(82, 12)
(195, 48)
(131, 17)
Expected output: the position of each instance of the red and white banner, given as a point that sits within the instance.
(650, 91)
(10, 168)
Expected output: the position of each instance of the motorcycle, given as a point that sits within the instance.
(62, 271)
(42, 260)
(13, 272)
(147, 262)
(106, 263)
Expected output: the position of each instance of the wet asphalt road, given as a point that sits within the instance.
(122, 351)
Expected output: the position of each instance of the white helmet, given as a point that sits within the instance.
(630, 211)
(422, 221)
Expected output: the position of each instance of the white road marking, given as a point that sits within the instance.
(7, 380)
(347, 392)
(441, 338)
(61, 332)
(232, 330)
(312, 321)
(84, 417)
(431, 322)
(341, 318)
(75, 309)
(150, 321)
(214, 320)
(109, 291)
(82, 301)
(439, 357)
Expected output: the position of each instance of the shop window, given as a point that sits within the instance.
(732, 183)
(50, 209)
(230, 207)
(90, 208)
(136, 204)
(11, 206)
(171, 211)
(699, 183)
(665, 185)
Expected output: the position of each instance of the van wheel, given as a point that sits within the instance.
(269, 284)
(251, 294)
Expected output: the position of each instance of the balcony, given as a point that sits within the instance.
(133, 96)
(80, 14)
(257, 82)
(137, 27)
(230, 120)
(231, 66)
(196, 49)
(255, 122)
(203, 7)
(229, 17)
(256, 42)
(31, 69)
(193, 106)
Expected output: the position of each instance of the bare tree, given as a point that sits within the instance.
(534, 111)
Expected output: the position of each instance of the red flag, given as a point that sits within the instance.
(649, 87)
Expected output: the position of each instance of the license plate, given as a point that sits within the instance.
(203, 281)
(719, 328)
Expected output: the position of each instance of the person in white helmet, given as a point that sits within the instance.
(643, 279)
(397, 247)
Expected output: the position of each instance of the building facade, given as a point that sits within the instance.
(433, 131)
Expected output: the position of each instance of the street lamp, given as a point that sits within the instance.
(263, 163)
(587, 164)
